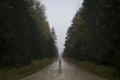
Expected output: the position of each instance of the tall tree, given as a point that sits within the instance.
(24, 32)
(94, 34)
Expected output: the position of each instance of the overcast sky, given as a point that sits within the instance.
(59, 14)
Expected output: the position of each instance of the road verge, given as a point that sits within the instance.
(19, 72)
(100, 70)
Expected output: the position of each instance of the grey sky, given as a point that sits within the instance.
(59, 14)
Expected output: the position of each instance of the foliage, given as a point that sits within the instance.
(101, 70)
(95, 33)
(19, 72)
(24, 33)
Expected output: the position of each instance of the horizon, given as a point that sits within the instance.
(59, 15)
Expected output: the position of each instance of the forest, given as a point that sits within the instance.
(25, 34)
(94, 34)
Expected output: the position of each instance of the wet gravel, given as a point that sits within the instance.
(61, 70)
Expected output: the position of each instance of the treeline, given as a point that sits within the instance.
(94, 34)
(24, 33)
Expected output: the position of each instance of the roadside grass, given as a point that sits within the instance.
(19, 72)
(103, 71)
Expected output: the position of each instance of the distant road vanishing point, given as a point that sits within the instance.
(62, 70)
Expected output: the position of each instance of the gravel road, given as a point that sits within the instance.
(62, 70)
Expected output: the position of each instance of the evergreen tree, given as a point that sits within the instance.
(95, 33)
(24, 33)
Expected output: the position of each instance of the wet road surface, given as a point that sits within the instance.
(61, 70)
